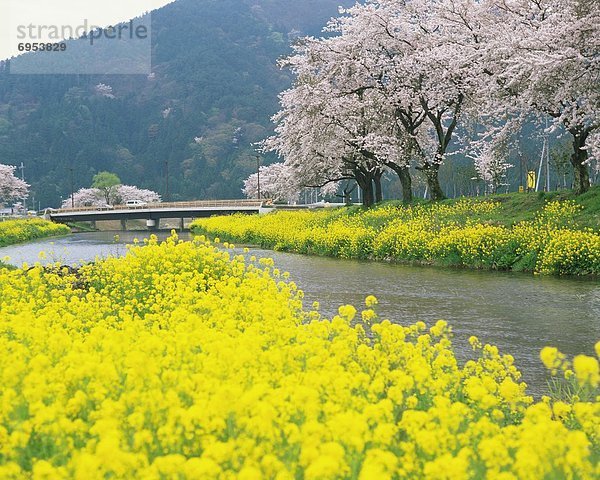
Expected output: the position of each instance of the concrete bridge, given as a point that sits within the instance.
(154, 212)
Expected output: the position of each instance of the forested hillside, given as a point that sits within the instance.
(212, 92)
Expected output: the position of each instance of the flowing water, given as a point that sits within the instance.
(520, 313)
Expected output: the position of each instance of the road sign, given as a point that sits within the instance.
(531, 180)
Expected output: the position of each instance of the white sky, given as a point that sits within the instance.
(64, 12)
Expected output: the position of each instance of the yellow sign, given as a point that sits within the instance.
(521, 189)
(530, 179)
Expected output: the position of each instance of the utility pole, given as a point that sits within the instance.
(72, 193)
(167, 180)
(22, 167)
(547, 166)
(258, 174)
(539, 173)
(521, 179)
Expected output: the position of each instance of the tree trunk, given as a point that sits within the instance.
(405, 180)
(365, 184)
(444, 136)
(346, 198)
(368, 199)
(581, 176)
(378, 191)
(433, 182)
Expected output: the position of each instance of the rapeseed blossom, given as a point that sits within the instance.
(185, 361)
(586, 370)
(437, 233)
(17, 231)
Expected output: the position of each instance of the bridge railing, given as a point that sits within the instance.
(165, 205)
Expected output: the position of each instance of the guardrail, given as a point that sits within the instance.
(16, 216)
(165, 205)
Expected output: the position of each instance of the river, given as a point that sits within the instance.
(520, 313)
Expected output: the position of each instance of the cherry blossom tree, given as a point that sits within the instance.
(85, 197)
(126, 193)
(427, 67)
(276, 183)
(104, 90)
(491, 166)
(397, 80)
(95, 197)
(392, 84)
(322, 129)
(593, 142)
(360, 110)
(544, 59)
(11, 187)
(312, 147)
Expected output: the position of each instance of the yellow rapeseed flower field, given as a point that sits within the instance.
(435, 233)
(17, 231)
(184, 361)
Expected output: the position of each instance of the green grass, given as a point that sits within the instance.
(516, 207)
(7, 265)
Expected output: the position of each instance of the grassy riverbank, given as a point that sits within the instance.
(516, 207)
(521, 232)
(182, 360)
(19, 231)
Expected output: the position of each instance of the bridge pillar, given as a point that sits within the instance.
(182, 224)
(123, 224)
(152, 224)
